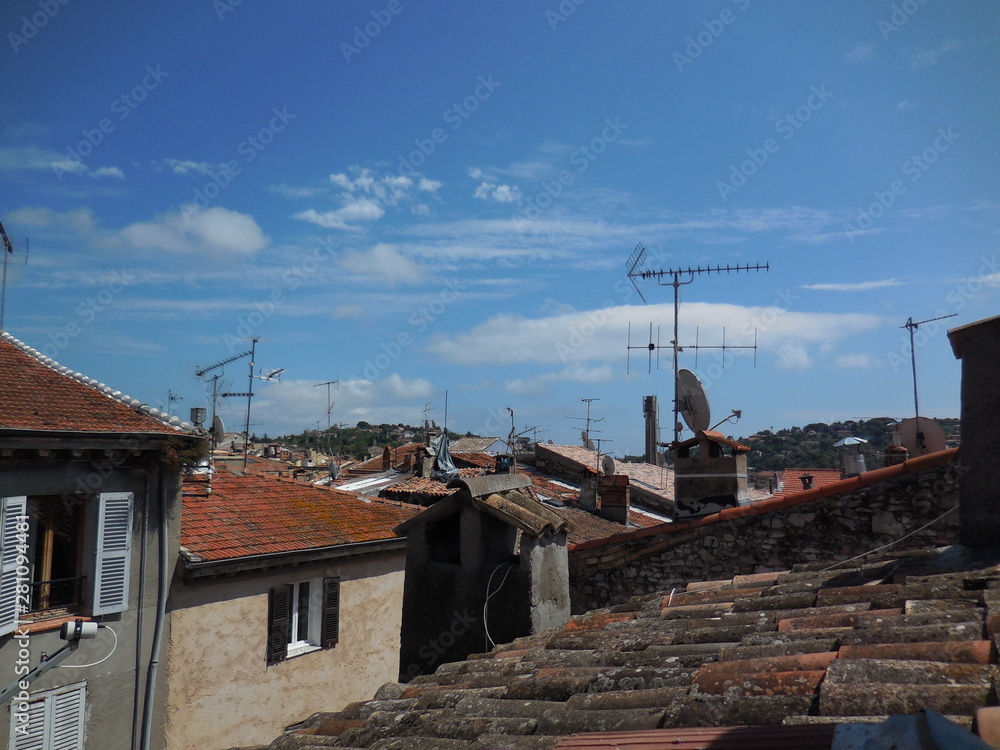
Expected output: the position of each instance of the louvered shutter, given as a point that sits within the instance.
(114, 551)
(278, 602)
(66, 723)
(331, 612)
(55, 721)
(10, 509)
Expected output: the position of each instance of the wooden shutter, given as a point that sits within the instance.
(10, 509)
(278, 601)
(55, 721)
(331, 613)
(114, 552)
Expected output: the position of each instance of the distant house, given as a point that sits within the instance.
(89, 487)
(288, 599)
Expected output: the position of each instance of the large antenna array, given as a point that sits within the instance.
(588, 419)
(8, 251)
(679, 277)
(912, 326)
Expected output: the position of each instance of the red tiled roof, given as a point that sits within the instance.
(483, 460)
(911, 466)
(259, 514)
(36, 395)
(419, 486)
(748, 662)
(790, 480)
(715, 437)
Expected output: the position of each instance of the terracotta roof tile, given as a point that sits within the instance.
(258, 514)
(39, 394)
(698, 667)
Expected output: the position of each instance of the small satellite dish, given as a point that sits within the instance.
(550, 441)
(921, 435)
(590, 445)
(692, 402)
(608, 464)
(583, 436)
(218, 429)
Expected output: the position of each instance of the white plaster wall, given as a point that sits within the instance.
(222, 694)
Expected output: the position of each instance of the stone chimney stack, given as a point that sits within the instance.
(978, 346)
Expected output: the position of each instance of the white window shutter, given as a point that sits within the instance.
(10, 509)
(114, 552)
(55, 721)
(66, 725)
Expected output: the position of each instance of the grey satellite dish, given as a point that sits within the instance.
(590, 445)
(584, 436)
(550, 441)
(218, 429)
(921, 435)
(692, 402)
(608, 464)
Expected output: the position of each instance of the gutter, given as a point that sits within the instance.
(199, 569)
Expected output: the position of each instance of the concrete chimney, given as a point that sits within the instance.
(978, 346)
(652, 416)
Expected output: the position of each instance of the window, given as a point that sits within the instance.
(53, 721)
(41, 546)
(302, 617)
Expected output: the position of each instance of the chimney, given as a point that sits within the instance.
(387, 458)
(978, 346)
(807, 481)
(588, 492)
(615, 499)
(651, 414)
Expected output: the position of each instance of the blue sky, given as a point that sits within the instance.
(413, 198)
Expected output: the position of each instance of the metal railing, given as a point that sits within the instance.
(59, 592)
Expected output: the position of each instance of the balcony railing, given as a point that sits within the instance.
(59, 592)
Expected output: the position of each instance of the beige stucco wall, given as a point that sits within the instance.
(221, 693)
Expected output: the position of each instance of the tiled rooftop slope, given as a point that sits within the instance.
(790, 652)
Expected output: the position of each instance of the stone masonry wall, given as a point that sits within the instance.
(826, 530)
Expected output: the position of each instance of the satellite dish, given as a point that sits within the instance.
(608, 464)
(921, 435)
(550, 441)
(692, 402)
(590, 445)
(218, 429)
(583, 436)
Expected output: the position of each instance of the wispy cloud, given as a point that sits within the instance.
(929, 57)
(215, 230)
(859, 286)
(860, 52)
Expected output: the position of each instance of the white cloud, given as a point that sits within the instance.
(108, 172)
(856, 360)
(186, 166)
(366, 197)
(357, 209)
(574, 373)
(383, 263)
(930, 57)
(429, 186)
(499, 193)
(860, 52)
(860, 286)
(341, 312)
(599, 335)
(214, 230)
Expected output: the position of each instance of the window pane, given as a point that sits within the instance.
(303, 623)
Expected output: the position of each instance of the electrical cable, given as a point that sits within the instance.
(890, 544)
(94, 664)
(490, 643)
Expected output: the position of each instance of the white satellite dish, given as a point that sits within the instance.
(590, 445)
(608, 464)
(692, 402)
(583, 436)
(921, 435)
(218, 429)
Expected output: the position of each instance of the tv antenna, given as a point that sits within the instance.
(682, 277)
(8, 252)
(911, 327)
(248, 394)
(329, 404)
(585, 435)
(428, 408)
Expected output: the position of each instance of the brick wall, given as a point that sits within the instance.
(828, 529)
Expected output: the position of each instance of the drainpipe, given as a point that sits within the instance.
(161, 613)
(138, 620)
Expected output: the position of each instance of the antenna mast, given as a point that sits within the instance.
(682, 277)
(911, 327)
(8, 248)
(587, 419)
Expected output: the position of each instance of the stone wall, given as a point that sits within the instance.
(825, 530)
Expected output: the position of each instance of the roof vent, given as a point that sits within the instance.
(807, 481)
